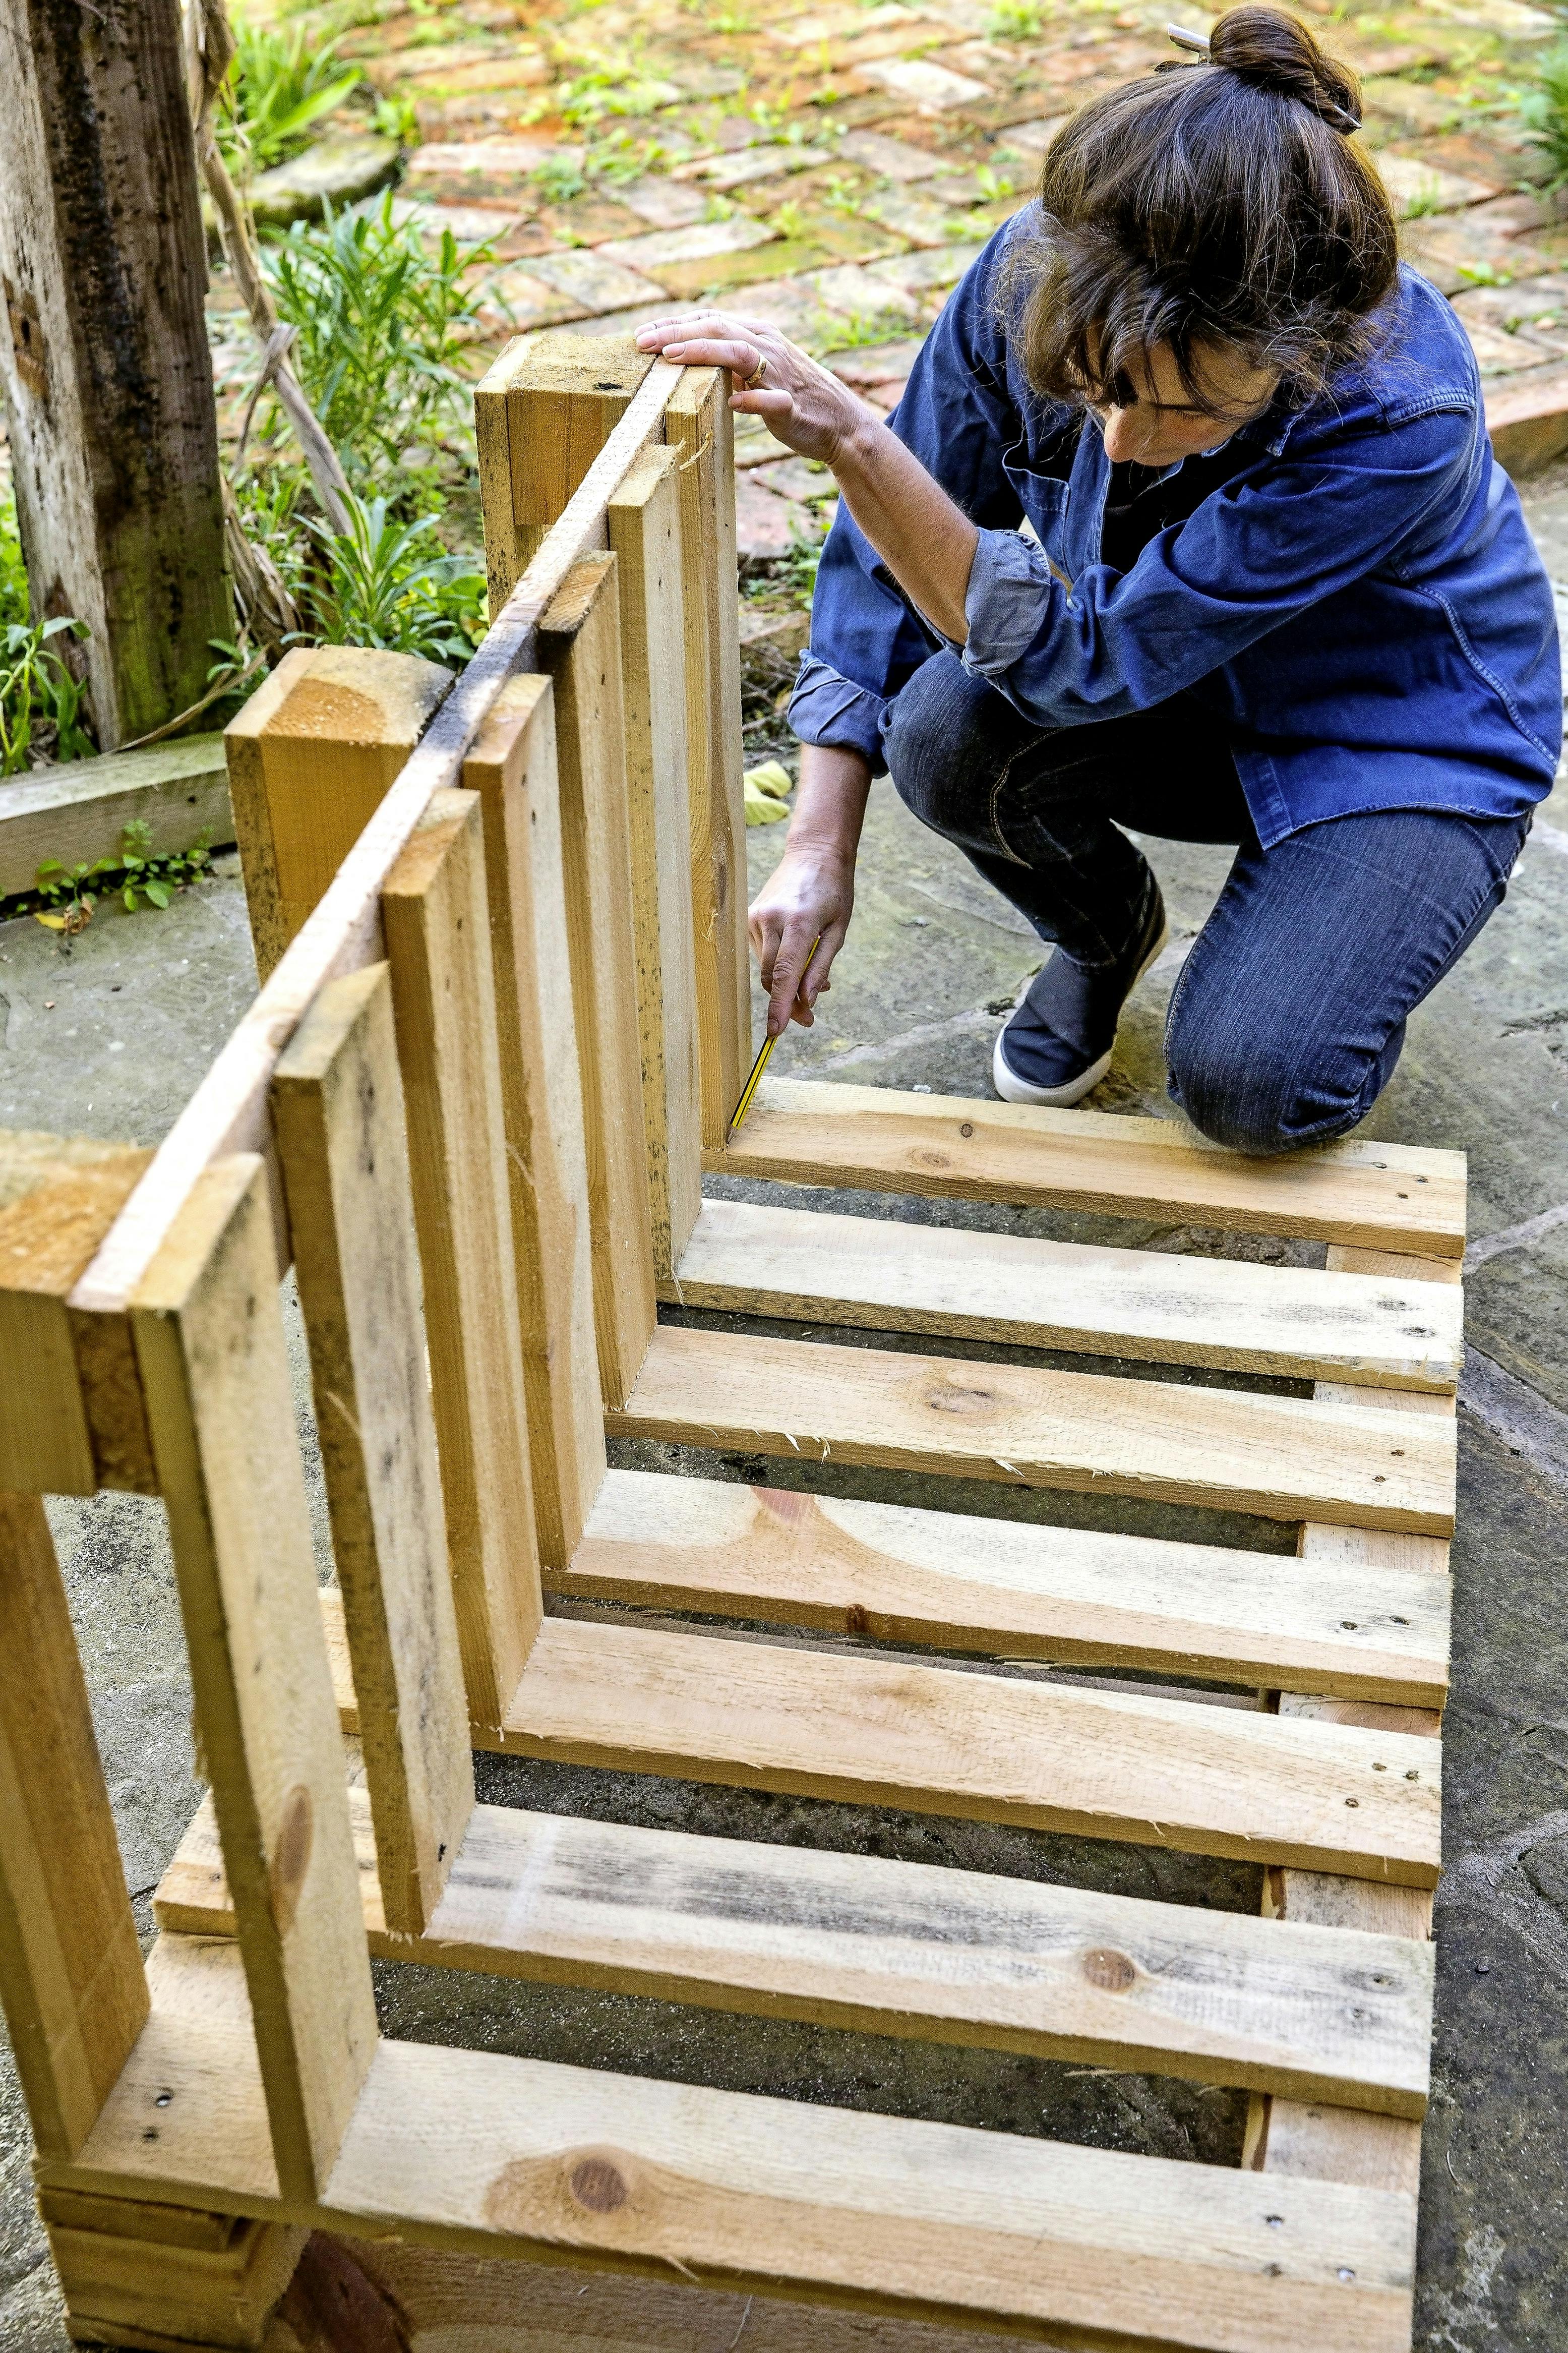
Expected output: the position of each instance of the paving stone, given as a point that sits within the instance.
(832, 23)
(927, 85)
(1461, 250)
(1537, 305)
(385, 73)
(663, 203)
(701, 242)
(797, 478)
(337, 171)
(517, 69)
(469, 223)
(765, 524)
(1410, 105)
(590, 282)
(751, 163)
(1031, 139)
(918, 217)
(915, 272)
(1499, 354)
(792, 306)
(879, 362)
(756, 446)
(498, 163)
(725, 272)
(894, 159)
(852, 290)
(1416, 188)
(521, 299)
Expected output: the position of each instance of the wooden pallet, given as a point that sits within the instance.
(504, 1015)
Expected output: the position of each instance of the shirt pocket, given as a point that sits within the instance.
(1044, 499)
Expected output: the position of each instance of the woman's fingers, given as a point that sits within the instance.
(791, 957)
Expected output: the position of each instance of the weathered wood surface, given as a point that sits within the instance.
(512, 768)
(898, 1948)
(1284, 1458)
(311, 757)
(106, 367)
(543, 412)
(1072, 1595)
(71, 1979)
(229, 1112)
(1295, 1322)
(209, 1340)
(78, 812)
(1395, 1197)
(468, 2149)
(436, 915)
(337, 1104)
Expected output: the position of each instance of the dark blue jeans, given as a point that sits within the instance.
(1289, 1016)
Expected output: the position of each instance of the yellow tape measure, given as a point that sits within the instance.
(761, 1064)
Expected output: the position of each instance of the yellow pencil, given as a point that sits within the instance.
(761, 1064)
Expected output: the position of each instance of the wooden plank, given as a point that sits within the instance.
(579, 645)
(471, 2150)
(229, 1112)
(1050, 1755)
(512, 768)
(644, 535)
(338, 1104)
(124, 2289)
(1295, 1322)
(71, 1967)
(698, 423)
(1069, 1596)
(812, 1132)
(209, 1338)
(1284, 1458)
(564, 396)
(436, 915)
(78, 812)
(58, 1197)
(311, 757)
(505, 562)
(899, 1948)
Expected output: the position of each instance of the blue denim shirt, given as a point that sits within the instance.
(1360, 602)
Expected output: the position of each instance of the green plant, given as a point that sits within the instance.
(1543, 112)
(1015, 20)
(13, 569)
(861, 331)
(386, 585)
(558, 179)
(397, 117)
(789, 218)
(382, 318)
(37, 692)
(279, 86)
(137, 876)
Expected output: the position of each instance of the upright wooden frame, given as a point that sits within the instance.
(470, 1105)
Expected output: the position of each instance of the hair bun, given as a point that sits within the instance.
(1275, 51)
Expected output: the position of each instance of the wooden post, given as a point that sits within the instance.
(310, 758)
(579, 644)
(209, 1341)
(106, 366)
(338, 1104)
(435, 918)
(70, 1969)
(512, 768)
(644, 534)
(698, 424)
(542, 415)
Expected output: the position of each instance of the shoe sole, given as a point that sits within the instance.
(1015, 1090)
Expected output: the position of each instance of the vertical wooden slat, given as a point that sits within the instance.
(698, 424)
(70, 1969)
(310, 757)
(579, 645)
(338, 1110)
(436, 919)
(645, 536)
(512, 768)
(209, 1341)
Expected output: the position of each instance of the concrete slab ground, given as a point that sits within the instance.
(108, 1037)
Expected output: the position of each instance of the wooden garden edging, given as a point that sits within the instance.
(502, 1016)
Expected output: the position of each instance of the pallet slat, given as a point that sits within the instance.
(474, 2151)
(899, 1948)
(1071, 1596)
(1283, 1458)
(1392, 1197)
(1294, 1322)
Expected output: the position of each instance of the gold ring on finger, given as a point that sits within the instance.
(757, 375)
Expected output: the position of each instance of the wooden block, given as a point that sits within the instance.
(564, 398)
(900, 1949)
(338, 1104)
(1063, 1595)
(60, 1196)
(645, 536)
(436, 915)
(209, 1338)
(77, 812)
(814, 1131)
(229, 1110)
(512, 768)
(469, 2149)
(698, 423)
(311, 757)
(1284, 1458)
(129, 2290)
(71, 1967)
(1297, 1323)
(1527, 419)
(579, 645)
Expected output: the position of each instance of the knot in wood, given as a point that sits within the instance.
(292, 1857)
(1111, 1972)
(597, 2182)
(950, 1397)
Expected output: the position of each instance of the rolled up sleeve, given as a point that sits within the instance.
(829, 708)
(1008, 602)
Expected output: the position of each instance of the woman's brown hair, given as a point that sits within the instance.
(1221, 203)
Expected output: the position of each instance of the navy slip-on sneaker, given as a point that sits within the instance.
(1060, 1042)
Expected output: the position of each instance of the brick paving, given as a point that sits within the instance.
(834, 169)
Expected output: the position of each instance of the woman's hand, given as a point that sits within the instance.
(810, 896)
(803, 404)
